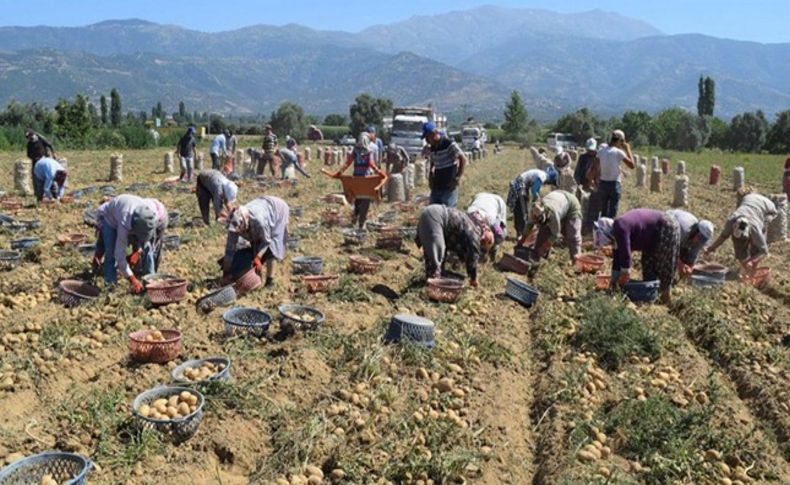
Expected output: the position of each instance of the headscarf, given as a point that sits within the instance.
(363, 143)
(486, 239)
(239, 220)
(539, 213)
(740, 229)
(603, 232)
(230, 190)
(705, 228)
(143, 224)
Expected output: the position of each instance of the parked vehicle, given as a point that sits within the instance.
(407, 127)
(561, 140)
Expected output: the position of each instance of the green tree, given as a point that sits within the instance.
(677, 129)
(710, 96)
(115, 108)
(779, 134)
(515, 116)
(103, 106)
(367, 111)
(94, 115)
(582, 124)
(719, 133)
(335, 120)
(73, 121)
(216, 124)
(289, 119)
(182, 110)
(748, 132)
(638, 127)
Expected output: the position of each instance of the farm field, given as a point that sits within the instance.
(580, 388)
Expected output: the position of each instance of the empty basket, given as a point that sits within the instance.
(247, 282)
(364, 264)
(412, 328)
(166, 291)
(224, 296)
(66, 468)
(521, 292)
(73, 293)
(246, 321)
(25, 243)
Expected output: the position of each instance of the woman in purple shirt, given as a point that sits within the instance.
(654, 233)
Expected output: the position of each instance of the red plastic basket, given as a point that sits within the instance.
(364, 264)
(155, 352)
(392, 243)
(589, 263)
(72, 239)
(602, 281)
(247, 282)
(759, 278)
(162, 292)
(320, 283)
(445, 290)
(514, 264)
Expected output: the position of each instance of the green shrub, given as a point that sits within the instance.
(614, 332)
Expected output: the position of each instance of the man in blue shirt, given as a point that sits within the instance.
(49, 179)
(219, 148)
(379, 155)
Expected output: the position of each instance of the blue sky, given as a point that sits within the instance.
(756, 20)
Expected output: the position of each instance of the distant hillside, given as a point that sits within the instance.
(462, 62)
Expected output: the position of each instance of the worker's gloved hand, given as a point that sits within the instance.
(685, 270)
(137, 287)
(96, 262)
(474, 283)
(257, 264)
(134, 258)
(625, 277)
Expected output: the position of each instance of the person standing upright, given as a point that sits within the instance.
(606, 171)
(446, 166)
(219, 148)
(186, 152)
(269, 146)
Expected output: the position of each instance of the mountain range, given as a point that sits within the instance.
(466, 61)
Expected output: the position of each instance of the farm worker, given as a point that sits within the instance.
(786, 180)
(49, 179)
(656, 234)
(695, 234)
(212, 185)
(539, 157)
(362, 159)
(747, 227)
(219, 149)
(607, 175)
(397, 158)
(492, 210)
(477, 146)
(525, 188)
(38, 147)
(185, 148)
(443, 229)
(585, 162)
(286, 157)
(378, 155)
(269, 145)
(263, 222)
(129, 220)
(446, 166)
(562, 159)
(230, 147)
(558, 214)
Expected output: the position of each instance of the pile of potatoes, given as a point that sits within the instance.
(206, 371)
(48, 480)
(155, 336)
(177, 406)
(301, 315)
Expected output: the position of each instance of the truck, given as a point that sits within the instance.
(471, 131)
(407, 127)
(560, 140)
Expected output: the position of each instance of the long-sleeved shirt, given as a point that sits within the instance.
(39, 147)
(563, 206)
(758, 211)
(218, 146)
(118, 214)
(636, 230)
(492, 207)
(268, 228)
(582, 167)
(397, 159)
(215, 182)
(688, 251)
(45, 169)
(269, 143)
(531, 180)
(461, 236)
(444, 164)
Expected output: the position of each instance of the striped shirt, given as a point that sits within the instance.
(443, 163)
(269, 142)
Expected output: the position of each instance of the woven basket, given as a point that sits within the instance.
(602, 281)
(163, 292)
(388, 217)
(87, 249)
(246, 321)
(289, 321)
(392, 243)
(759, 278)
(589, 263)
(90, 189)
(65, 468)
(354, 237)
(706, 282)
(156, 277)
(642, 291)
(178, 430)
(25, 243)
(172, 242)
(173, 218)
(292, 243)
(320, 283)
(73, 293)
(11, 205)
(514, 264)
(417, 330)
(296, 211)
(364, 264)
(224, 296)
(223, 375)
(72, 239)
(521, 292)
(247, 282)
(445, 290)
(711, 270)
(154, 352)
(311, 265)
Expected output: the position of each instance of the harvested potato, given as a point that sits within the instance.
(177, 406)
(205, 372)
(48, 480)
(155, 336)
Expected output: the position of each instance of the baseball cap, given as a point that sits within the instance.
(619, 134)
(371, 129)
(428, 128)
(591, 144)
(705, 229)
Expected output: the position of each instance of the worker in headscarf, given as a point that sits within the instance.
(523, 190)
(263, 223)
(213, 185)
(491, 210)
(557, 215)
(443, 229)
(38, 147)
(49, 179)
(362, 159)
(654, 233)
(129, 220)
(397, 158)
(748, 227)
(695, 234)
(285, 157)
